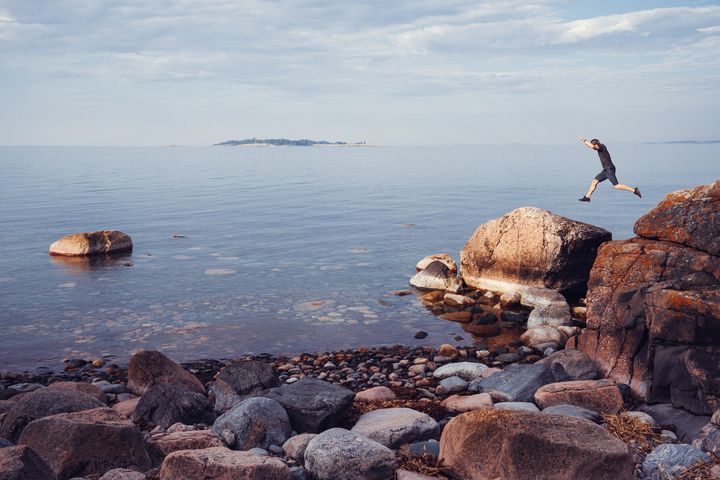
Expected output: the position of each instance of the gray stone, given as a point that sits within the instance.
(643, 417)
(430, 447)
(167, 404)
(313, 405)
(123, 474)
(451, 385)
(541, 297)
(519, 382)
(709, 439)
(686, 425)
(338, 454)
(523, 406)
(6, 443)
(554, 315)
(42, 403)
(394, 426)
(668, 461)
(574, 411)
(436, 276)
(465, 370)
(261, 452)
(255, 422)
(576, 364)
(295, 446)
(298, 473)
(508, 357)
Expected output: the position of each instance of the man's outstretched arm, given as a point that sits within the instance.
(585, 141)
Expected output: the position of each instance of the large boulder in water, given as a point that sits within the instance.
(530, 247)
(653, 306)
(514, 445)
(103, 242)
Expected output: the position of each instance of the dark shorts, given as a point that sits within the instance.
(607, 174)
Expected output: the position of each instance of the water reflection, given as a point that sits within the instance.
(81, 265)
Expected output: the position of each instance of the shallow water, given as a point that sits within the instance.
(278, 250)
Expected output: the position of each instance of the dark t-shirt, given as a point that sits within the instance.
(605, 159)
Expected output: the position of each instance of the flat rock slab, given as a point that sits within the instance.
(541, 297)
(465, 370)
(574, 411)
(222, 464)
(160, 445)
(89, 442)
(437, 257)
(394, 426)
(123, 474)
(555, 315)
(518, 382)
(42, 403)
(338, 454)
(102, 242)
(669, 461)
(149, 368)
(687, 426)
(468, 403)
(255, 422)
(375, 394)
(517, 406)
(525, 445)
(22, 463)
(599, 395)
(313, 405)
(451, 385)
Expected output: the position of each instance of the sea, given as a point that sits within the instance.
(277, 250)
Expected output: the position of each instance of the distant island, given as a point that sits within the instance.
(694, 142)
(284, 142)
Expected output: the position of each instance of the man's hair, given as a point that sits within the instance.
(595, 141)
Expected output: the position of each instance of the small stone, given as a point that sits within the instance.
(510, 299)
(466, 370)
(447, 350)
(643, 417)
(375, 394)
(668, 436)
(420, 335)
(295, 446)
(461, 404)
(524, 406)
(451, 385)
(259, 451)
(461, 317)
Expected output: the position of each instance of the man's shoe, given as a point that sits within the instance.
(637, 192)
(586, 199)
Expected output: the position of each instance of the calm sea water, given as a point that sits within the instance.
(285, 250)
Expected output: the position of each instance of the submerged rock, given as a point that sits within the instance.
(102, 242)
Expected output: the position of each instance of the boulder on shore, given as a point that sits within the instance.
(524, 445)
(22, 463)
(436, 276)
(530, 247)
(220, 463)
(149, 368)
(103, 242)
(439, 257)
(394, 426)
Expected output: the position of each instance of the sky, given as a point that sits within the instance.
(424, 72)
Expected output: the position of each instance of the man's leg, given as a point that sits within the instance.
(621, 186)
(593, 186)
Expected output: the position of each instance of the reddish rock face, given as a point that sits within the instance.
(90, 442)
(530, 247)
(689, 217)
(149, 368)
(222, 464)
(162, 444)
(20, 463)
(598, 395)
(653, 306)
(102, 242)
(523, 445)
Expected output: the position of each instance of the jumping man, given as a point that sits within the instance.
(608, 172)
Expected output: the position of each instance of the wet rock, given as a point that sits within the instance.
(165, 405)
(220, 463)
(537, 297)
(436, 276)
(510, 299)
(525, 445)
(461, 404)
(465, 370)
(420, 335)
(517, 406)
(88, 442)
(668, 461)
(513, 317)
(375, 394)
(149, 368)
(295, 446)
(540, 335)
(444, 258)
(518, 382)
(576, 364)
(448, 351)
(394, 426)
(104, 242)
(160, 445)
(574, 411)
(22, 463)
(42, 403)
(451, 385)
(460, 317)
(339, 454)
(598, 395)
(457, 301)
(256, 422)
(555, 315)
(313, 405)
(530, 247)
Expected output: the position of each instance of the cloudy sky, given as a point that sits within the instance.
(196, 72)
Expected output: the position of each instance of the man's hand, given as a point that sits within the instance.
(583, 139)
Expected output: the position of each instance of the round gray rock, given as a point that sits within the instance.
(466, 370)
(255, 422)
(668, 461)
(574, 411)
(451, 385)
(394, 426)
(338, 454)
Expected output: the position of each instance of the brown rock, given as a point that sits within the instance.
(127, 407)
(447, 350)
(524, 445)
(577, 365)
(688, 217)
(460, 404)
(150, 368)
(295, 446)
(598, 395)
(90, 442)
(546, 334)
(434, 296)
(444, 258)
(530, 247)
(222, 464)
(436, 276)
(375, 394)
(88, 388)
(42, 403)
(21, 463)
(102, 242)
(460, 317)
(160, 445)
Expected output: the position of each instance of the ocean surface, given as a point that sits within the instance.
(280, 249)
